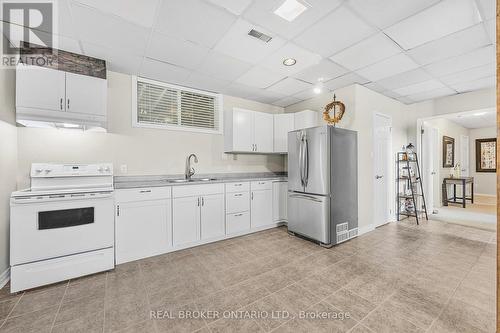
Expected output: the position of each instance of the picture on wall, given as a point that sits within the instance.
(448, 152)
(486, 155)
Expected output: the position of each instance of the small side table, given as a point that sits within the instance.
(462, 181)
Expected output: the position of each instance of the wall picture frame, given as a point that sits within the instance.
(448, 152)
(486, 157)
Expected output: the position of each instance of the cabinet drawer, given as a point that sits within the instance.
(262, 185)
(237, 202)
(197, 190)
(237, 187)
(141, 194)
(237, 222)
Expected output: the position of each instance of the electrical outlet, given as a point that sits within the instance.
(123, 168)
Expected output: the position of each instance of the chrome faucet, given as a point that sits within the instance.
(190, 170)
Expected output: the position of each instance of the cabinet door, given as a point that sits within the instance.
(143, 229)
(261, 208)
(263, 132)
(237, 222)
(212, 216)
(40, 88)
(306, 119)
(243, 130)
(283, 123)
(280, 194)
(186, 220)
(85, 94)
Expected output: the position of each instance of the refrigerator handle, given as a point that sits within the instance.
(301, 160)
(306, 162)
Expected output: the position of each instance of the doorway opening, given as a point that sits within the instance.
(458, 160)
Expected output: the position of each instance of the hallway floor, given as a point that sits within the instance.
(435, 277)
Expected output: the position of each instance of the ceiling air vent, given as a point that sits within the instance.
(259, 35)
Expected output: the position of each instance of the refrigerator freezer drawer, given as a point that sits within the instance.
(309, 216)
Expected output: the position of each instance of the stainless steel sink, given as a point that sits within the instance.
(191, 180)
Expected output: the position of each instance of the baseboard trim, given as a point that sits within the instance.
(4, 278)
(365, 229)
(485, 195)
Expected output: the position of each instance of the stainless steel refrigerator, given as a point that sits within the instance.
(323, 184)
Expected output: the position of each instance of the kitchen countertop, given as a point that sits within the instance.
(128, 182)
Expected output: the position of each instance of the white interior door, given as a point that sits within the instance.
(436, 165)
(429, 164)
(464, 155)
(382, 158)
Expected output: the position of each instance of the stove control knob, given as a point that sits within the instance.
(100, 169)
(47, 171)
(107, 169)
(38, 170)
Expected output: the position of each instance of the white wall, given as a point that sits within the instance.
(144, 151)
(361, 104)
(8, 161)
(484, 182)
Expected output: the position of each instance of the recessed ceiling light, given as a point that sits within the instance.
(290, 10)
(289, 62)
(479, 114)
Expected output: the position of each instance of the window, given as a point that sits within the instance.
(161, 105)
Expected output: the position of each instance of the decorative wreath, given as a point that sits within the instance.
(337, 116)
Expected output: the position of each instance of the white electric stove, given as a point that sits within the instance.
(63, 226)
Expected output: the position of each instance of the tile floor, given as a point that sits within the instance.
(436, 277)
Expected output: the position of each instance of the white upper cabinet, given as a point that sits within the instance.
(54, 96)
(248, 131)
(263, 132)
(40, 88)
(306, 119)
(283, 123)
(85, 94)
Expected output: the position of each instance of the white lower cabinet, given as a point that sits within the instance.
(197, 217)
(237, 222)
(186, 220)
(143, 223)
(212, 216)
(280, 197)
(261, 204)
(237, 208)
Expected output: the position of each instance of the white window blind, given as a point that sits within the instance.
(164, 105)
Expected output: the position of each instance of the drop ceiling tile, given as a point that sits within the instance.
(117, 60)
(453, 45)
(287, 101)
(303, 57)
(392, 94)
(259, 77)
(440, 20)
(491, 29)
(405, 100)
(194, 20)
(203, 82)
(367, 52)
(405, 79)
(472, 74)
(234, 6)
(384, 13)
(239, 90)
(325, 70)
(262, 12)
(345, 80)
(374, 86)
(466, 61)
(176, 52)
(138, 12)
(388, 67)
(324, 37)
(223, 67)
(108, 30)
(420, 88)
(308, 93)
(487, 8)
(266, 96)
(238, 44)
(431, 94)
(157, 70)
(289, 86)
(483, 83)
(65, 24)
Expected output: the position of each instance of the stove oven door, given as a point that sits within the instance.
(53, 226)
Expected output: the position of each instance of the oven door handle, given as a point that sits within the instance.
(65, 197)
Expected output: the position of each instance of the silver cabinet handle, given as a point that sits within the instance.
(145, 191)
(238, 195)
(251, 196)
(236, 215)
(202, 201)
(68, 103)
(61, 103)
(198, 202)
(238, 184)
(305, 197)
